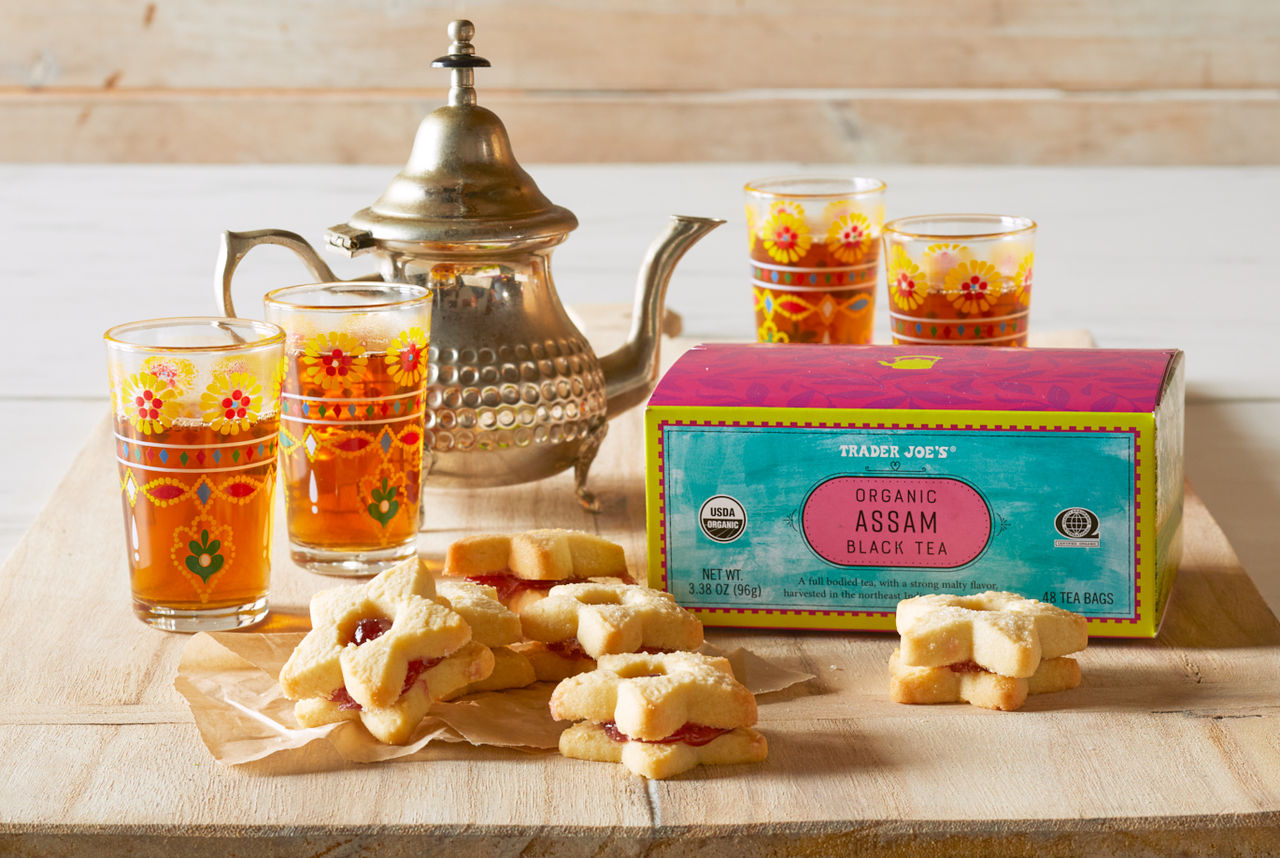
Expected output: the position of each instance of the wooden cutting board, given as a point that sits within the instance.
(1171, 745)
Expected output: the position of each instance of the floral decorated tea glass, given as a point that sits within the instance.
(814, 246)
(351, 426)
(196, 403)
(960, 278)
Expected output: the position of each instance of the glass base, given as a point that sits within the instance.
(350, 564)
(211, 620)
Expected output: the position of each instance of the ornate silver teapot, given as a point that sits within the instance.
(515, 392)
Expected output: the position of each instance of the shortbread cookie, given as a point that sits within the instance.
(601, 743)
(511, 669)
(524, 566)
(556, 661)
(650, 696)
(394, 724)
(612, 618)
(376, 648)
(969, 683)
(492, 623)
(1000, 632)
(659, 714)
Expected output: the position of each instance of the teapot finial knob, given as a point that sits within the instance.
(462, 32)
(462, 60)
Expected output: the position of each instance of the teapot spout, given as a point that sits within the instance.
(631, 371)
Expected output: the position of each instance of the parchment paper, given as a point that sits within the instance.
(229, 681)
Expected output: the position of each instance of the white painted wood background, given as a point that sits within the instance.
(905, 81)
(1148, 257)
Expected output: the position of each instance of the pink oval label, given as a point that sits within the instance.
(934, 522)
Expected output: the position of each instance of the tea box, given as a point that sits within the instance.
(816, 486)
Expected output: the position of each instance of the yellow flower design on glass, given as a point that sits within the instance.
(277, 380)
(940, 259)
(149, 402)
(407, 357)
(332, 361)
(837, 209)
(907, 283)
(786, 207)
(232, 402)
(178, 372)
(849, 238)
(1022, 280)
(786, 237)
(973, 286)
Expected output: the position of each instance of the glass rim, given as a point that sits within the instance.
(279, 297)
(760, 186)
(267, 334)
(1019, 224)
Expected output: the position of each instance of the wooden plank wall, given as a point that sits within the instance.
(888, 81)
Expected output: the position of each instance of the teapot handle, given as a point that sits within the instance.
(234, 247)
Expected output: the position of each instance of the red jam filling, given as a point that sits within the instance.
(370, 629)
(569, 649)
(966, 667)
(508, 585)
(688, 734)
(417, 667)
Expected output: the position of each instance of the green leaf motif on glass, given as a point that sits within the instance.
(384, 506)
(204, 559)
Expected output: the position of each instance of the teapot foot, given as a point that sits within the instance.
(586, 455)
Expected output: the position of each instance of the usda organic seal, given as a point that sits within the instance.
(722, 518)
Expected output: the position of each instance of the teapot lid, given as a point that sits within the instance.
(461, 183)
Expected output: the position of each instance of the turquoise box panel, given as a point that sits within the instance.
(763, 517)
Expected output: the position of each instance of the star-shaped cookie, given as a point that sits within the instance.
(381, 651)
(659, 714)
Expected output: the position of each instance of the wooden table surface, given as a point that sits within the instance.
(1169, 744)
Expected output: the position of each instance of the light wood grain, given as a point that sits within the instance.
(345, 127)
(1168, 744)
(915, 82)
(629, 45)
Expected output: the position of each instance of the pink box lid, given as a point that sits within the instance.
(773, 375)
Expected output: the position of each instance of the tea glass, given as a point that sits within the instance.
(814, 246)
(960, 278)
(196, 411)
(352, 412)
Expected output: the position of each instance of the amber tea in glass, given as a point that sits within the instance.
(960, 278)
(196, 407)
(814, 247)
(352, 421)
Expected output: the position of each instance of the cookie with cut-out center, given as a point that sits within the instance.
(427, 682)
(613, 617)
(966, 682)
(523, 566)
(1002, 633)
(373, 649)
(658, 714)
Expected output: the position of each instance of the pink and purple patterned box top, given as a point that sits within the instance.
(765, 375)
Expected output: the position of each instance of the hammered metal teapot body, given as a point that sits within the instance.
(515, 392)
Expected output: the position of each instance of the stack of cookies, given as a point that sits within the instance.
(659, 714)
(990, 649)
(574, 598)
(513, 609)
(381, 652)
